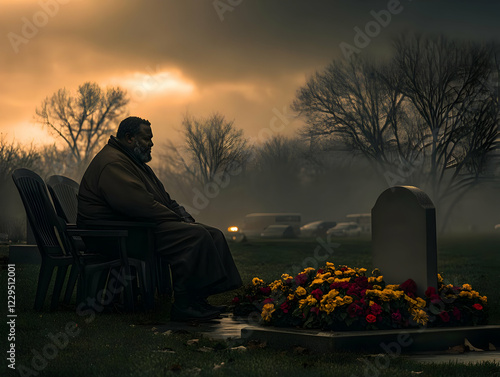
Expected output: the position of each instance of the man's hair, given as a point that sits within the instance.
(130, 125)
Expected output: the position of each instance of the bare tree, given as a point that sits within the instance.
(429, 110)
(212, 146)
(12, 157)
(82, 121)
(446, 83)
(355, 103)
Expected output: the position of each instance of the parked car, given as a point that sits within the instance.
(316, 228)
(345, 230)
(278, 231)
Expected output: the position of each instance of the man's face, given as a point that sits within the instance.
(143, 142)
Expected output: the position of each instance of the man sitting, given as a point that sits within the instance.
(119, 185)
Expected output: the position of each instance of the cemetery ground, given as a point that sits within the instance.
(118, 344)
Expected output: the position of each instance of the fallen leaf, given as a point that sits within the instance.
(300, 350)
(175, 367)
(491, 347)
(205, 349)
(218, 366)
(153, 329)
(255, 344)
(471, 347)
(181, 331)
(166, 350)
(239, 348)
(413, 372)
(167, 333)
(190, 342)
(193, 371)
(456, 349)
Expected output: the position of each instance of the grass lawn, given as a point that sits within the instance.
(112, 344)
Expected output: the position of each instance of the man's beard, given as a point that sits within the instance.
(142, 153)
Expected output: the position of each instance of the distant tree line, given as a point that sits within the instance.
(427, 116)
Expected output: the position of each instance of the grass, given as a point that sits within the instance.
(112, 344)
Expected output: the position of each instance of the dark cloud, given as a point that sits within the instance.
(245, 64)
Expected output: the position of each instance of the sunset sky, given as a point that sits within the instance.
(244, 60)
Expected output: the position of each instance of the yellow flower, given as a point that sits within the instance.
(330, 265)
(316, 281)
(465, 294)
(420, 316)
(257, 281)
(308, 269)
(371, 279)
(475, 294)
(331, 294)
(338, 272)
(285, 277)
(440, 279)
(267, 312)
(380, 279)
(362, 270)
(377, 287)
(328, 308)
(398, 294)
(392, 287)
(302, 303)
(420, 302)
(467, 287)
(300, 291)
(291, 297)
(347, 300)
(483, 299)
(275, 285)
(330, 280)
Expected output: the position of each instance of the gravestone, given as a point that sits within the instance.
(404, 242)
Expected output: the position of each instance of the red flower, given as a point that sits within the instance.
(362, 282)
(268, 300)
(354, 310)
(320, 271)
(370, 318)
(375, 309)
(265, 290)
(396, 316)
(478, 306)
(409, 287)
(435, 298)
(315, 310)
(445, 317)
(301, 279)
(430, 291)
(236, 300)
(317, 293)
(341, 285)
(353, 291)
(456, 313)
(285, 306)
(343, 269)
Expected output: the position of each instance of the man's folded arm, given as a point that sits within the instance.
(127, 194)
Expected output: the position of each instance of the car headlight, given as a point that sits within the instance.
(233, 229)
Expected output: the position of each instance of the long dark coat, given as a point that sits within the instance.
(116, 186)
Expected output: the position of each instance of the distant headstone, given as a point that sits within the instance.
(404, 237)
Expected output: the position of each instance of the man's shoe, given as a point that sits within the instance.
(205, 305)
(194, 313)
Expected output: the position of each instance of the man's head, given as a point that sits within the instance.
(136, 135)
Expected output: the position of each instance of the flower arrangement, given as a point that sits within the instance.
(344, 298)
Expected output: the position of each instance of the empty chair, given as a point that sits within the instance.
(57, 251)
